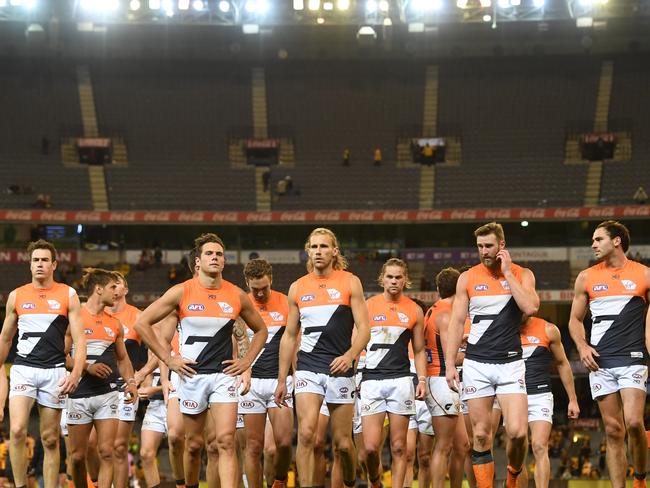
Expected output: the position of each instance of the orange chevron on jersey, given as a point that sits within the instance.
(42, 324)
(435, 353)
(207, 317)
(617, 301)
(494, 315)
(326, 319)
(391, 325)
(174, 345)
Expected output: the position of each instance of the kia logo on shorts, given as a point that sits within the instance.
(596, 387)
(408, 403)
(127, 409)
(231, 388)
(365, 407)
(74, 416)
(196, 307)
(246, 404)
(345, 389)
(469, 389)
(190, 404)
(301, 384)
(28, 306)
(20, 387)
(637, 376)
(545, 410)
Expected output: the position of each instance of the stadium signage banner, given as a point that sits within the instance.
(18, 257)
(329, 216)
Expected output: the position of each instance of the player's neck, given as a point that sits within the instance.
(449, 300)
(323, 273)
(119, 306)
(43, 284)
(392, 298)
(94, 305)
(208, 281)
(616, 260)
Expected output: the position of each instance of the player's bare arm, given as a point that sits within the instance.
(359, 308)
(254, 321)
(455, 330)
(523, 292)
(9, 327)
(75, 327)
(576, 323)
(288, 345)
(418, 354)
(125, 368)
(563, 369)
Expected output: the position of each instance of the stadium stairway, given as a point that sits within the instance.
(429, 129)
(260, 131)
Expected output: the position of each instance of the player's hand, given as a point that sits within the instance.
(453, 380)
(463, 341)
(588, 357)
(145, 392)
(341, 365)
(503, 256)
(167, 388)
(130, 392)
(243, 384)
(573, 411)
(139, 377)
(421, 390)
(281, 393)
(236, 367)
(100, 370)
(181, 366)
(68, 384)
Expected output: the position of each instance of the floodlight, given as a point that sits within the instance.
(313, 4)
(343, 4)
(298, 4)
(329, 6)
(487, 18)
(134, 5)
(371, 6)
(183, 4)
(224, 6)
(383, 5)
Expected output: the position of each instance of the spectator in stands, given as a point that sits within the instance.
(640, 196)
(377, 157)
(266, 179)
(427, 155)
(281, 188)
(346, 157)
(43, 200)
(14, 189)
(172, 276)
(157, 256)
(289, 181)
(145, 261)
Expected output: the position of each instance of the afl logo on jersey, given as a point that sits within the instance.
(600, 287)
(481, 287)
(629, 285)
(307, 298)
(88, 331)
(276, 316)
(226, 307)
(379, 318)
(196, 307)
(28, 306)
(334, 293)
(403, 318)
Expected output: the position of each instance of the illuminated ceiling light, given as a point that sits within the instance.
(486, 3)
(524, 223)
(487, 18)
(3, 3)
(586, 3)
(329, 6)
(538, 3)
(298, 4)
(167, 5)
(250, 6)
(29, 4)
(251, 29)
(371, 6)
(504, 3)
(383, 5)
(224, 6)
(461, 3)
(313, 4)
(426, 5)
(367, 30)
(320, 20)
(154, 4)
(343, 4)
(135, 5)
(15, 3)
(515, 3)
(183, 4)
(262, 6)
(198, 5)
(388, 22)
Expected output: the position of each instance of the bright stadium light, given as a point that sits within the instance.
(343, 4)
(503, 3)
(486, 3)
(383, 5)
(487, 18)
(586, 3)
(257, 6)
(461, 4)
(183, 4)
(524, 223)
(3, 3)
(328, 6)
(320, 20)
(426, 5)
(515, 3)
(299, 4)
(29, 4)
(154, 4)
(224, 6)
(371, 6)
(16, 3)
(388, 22)
(135, 5)
(313, 5)
(262, 6)
(538, 3)
(198, 5)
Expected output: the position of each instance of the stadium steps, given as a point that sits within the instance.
(259, 104)
(427, 186)
(430, 116)
(404, 156)
(98, 187)
(236, 154)
(69, 154)
(262, 198)
(604, 96)
(287, 154)
(87, 102)
(594, 177)
(120, 156)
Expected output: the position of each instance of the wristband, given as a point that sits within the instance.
(422, 379)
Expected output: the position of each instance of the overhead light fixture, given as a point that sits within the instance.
(320, 20)
(329, 6)
(486, 3)
(154, 4)
(251, 29)
(538, 3)
(343, 4)
(371, 6)
(515, 3)
(313, 5)
(135, 5)
(224, 6)
(487, 18)
(383, 5)
(387, 22)
(183, 4)
(461, 3)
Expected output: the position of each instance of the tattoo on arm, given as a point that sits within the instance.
(243, 343)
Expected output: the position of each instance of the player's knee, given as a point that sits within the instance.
(461, 448)
(18, 432)
(194, 445)
(540, 448)
(120, 451)
(409, 455)
(106, 452)
(517, 433)
(424, 459)
(614, 431)
(176, 439)
(50, 441)
(635, 425)
(344, 447)
(148, 455)
(254, 448)
(307, 437)
(482, 437)
(398, 448)
(77, 456)
(226, 442)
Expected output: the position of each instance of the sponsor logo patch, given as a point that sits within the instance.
(301, 384)
(470, 389)
(629, 285)
(344, 389)
(533, 339)
(28, 306)
(226, 307)
(307, 298)
(600, 287)
(403, 318)
(505, 285)
(481, 287)
(596, 387)
(54, 305)
(74, 416)
(190, 404)
(109, 331)
(196, 307)
(246, 404)
(379, 318)
(334, 293)
(19, 387)
(88, 331)
(276, 316)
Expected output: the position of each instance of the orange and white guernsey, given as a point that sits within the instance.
(495, 317)
(326, 320)
(435, 354)
(274, 313)
(617, 303)
(127, 317)
(537, 354)
(391, 330)
(207, 317)
(101, 332)
(42, 324)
